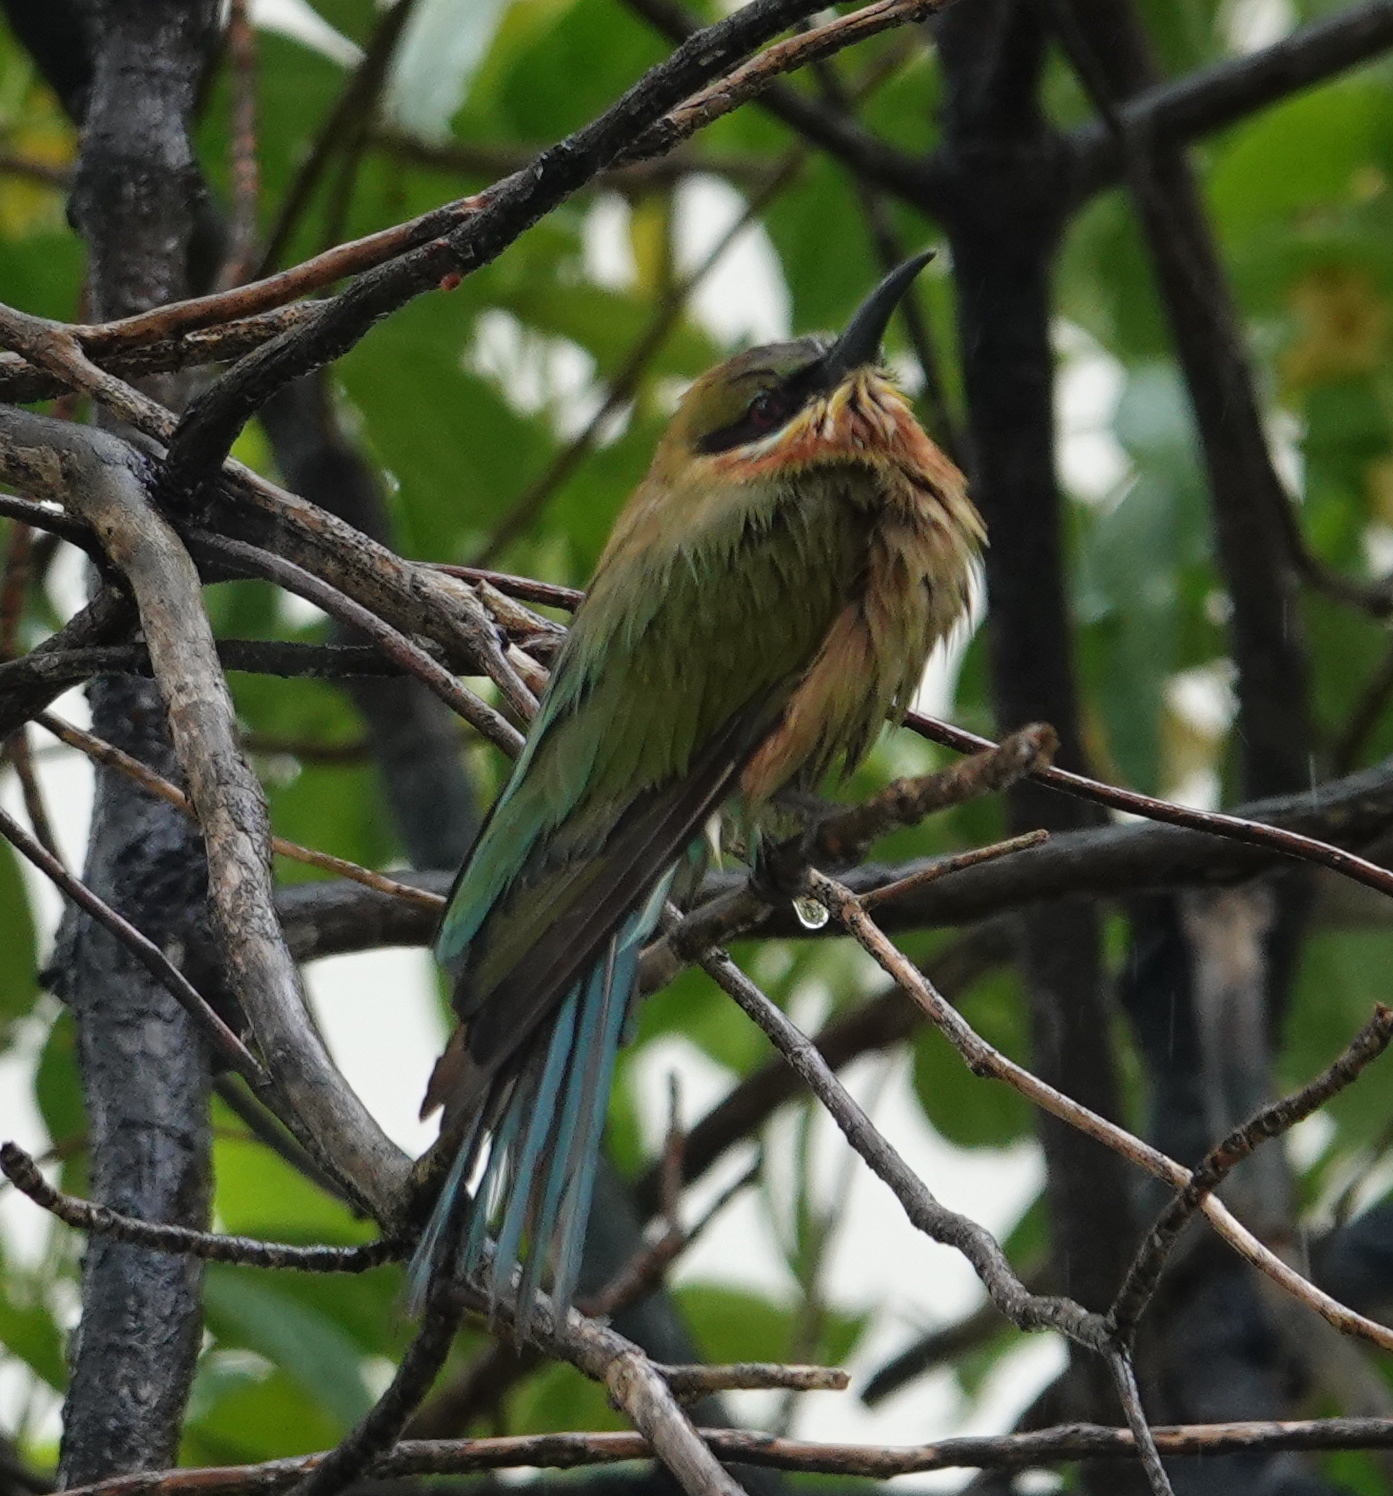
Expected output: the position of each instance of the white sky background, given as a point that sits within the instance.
(379, 1013)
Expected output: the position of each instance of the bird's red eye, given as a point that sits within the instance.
(763, 412)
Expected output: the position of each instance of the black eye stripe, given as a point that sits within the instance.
(765, 414)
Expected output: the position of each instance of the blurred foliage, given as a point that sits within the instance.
(465, 398)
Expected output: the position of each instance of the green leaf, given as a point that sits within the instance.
(28, 1330)
(252, 1415)
(249, 1311)
(825, 288)
(458, 452)
(731, 1324)
(558, 1398)
(19, 987)
(1341, 978)
(546, 80)
(966, 1109)
(1323, 139)
(56, 1088)
(259, 1194)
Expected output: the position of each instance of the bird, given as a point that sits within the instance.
(767, 598)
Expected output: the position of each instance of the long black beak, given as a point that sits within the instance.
(859, 345)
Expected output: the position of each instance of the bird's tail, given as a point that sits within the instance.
(542, 1125)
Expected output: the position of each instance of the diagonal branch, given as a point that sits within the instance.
(982, 1059)
(211, 424)
(1026, 1310)
(1219, 1162)
(102, 752)
(154, 960)
(85, 1215)
(1208, 99)
(102, 480)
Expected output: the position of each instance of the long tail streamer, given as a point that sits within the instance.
(543, 1131)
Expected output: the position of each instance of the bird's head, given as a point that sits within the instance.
(788, 406)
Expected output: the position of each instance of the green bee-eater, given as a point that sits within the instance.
(768, 597)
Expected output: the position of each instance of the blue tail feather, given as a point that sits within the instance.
(546, 1120)
(519, 1207)
(563, 1139)
(575, 1208)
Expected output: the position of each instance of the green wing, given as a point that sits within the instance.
(678, 666)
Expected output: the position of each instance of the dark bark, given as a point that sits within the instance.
(145, 1074)
(414, 735)
(1218, 964)
(1001, 189)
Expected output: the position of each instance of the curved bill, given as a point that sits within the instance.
(860, 343)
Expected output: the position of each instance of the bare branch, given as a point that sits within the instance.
(85, 1215)
(1039, 1448)
(114, 758)
(1125, 1380)
(246, 176)
(844, 838)
(223, 1040)
(982, 1059)
(1224, 1156)
(210, 426)
(1289, 843)
(1026, 1310)
(103, 480)
(693, 1382)
(954, 864)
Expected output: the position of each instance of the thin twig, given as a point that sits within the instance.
(754, 77)
(691, 1383)
(20, 756)
(150, 956)
(1026, 1310)
(105, 753)
(1271, 1122)
(844, 838)
(1288, 843)
(982, 1059)
(399, 649)
(1038, 1449)
(84, 1215)
(527, 588)
(1129, 1395)
(246, 186)
(973, 858)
